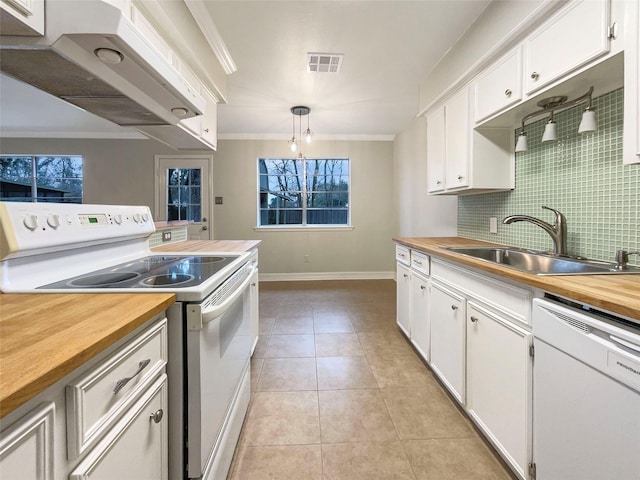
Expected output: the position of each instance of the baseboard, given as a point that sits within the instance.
(287, 277)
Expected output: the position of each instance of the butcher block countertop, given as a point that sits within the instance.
(221, 246)
(616, 293)
(44, 337)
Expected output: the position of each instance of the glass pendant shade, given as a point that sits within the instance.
(308, 136)
(549, 134)
(588, 123)
(521, 145)
(293, 146)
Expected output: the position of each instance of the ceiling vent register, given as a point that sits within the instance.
(324, 62)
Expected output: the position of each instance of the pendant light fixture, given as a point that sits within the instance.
(299, 111)
(549, 106)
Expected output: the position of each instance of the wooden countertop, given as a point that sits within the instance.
(222, 246)
(615, 293)
(44, 337)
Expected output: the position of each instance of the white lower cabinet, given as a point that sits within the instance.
(137, 445)
(499, 379)
(420, 324)
(447, 316)
(403, 295)
(26, 448)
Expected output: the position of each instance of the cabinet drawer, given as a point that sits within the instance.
(136, 447)
(403, 255)
(420, 262)
(500, 296)
(95, 401)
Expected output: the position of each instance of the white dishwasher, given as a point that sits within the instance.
(586, 401)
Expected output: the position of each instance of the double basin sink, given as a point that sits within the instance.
(541, 263)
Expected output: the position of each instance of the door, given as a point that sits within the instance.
(183, 185)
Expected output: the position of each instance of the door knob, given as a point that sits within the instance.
(204, 227)
(204, 219)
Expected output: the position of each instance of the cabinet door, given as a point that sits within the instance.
(136, 447)
(26, 448)
(447, 316)
(403, 298)
(573, 37)
(255, 312)
(499, 383)
(631, 135)
(435, 150)
(457, 134)
(420, 328)
(500, 86)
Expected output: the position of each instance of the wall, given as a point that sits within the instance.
(419, 214)
(115, 171)
(581, 175)
(366, 248)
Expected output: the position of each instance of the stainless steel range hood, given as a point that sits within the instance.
(95, 57)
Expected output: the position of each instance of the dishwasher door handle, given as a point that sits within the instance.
(625, 343)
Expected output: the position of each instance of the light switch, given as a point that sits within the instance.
(493, 225)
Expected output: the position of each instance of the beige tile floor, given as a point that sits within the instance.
(339, 394)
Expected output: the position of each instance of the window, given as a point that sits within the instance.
(55, 179)
(303, 192)
(183, 194)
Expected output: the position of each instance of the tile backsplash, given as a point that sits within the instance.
(581, 175)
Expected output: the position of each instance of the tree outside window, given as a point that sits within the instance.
(56, 179)
(303, 192)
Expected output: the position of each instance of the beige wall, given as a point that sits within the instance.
(419, 214)
(122, 172)
(366, 248)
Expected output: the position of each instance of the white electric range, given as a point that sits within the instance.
(79, 248)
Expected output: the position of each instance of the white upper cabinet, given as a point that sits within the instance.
(500, 86)
(22, 17)
(573, 37)
(631, 134)
(463, 160)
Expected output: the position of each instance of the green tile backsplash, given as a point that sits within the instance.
(581, 175)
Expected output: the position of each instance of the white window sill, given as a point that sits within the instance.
(304, 228)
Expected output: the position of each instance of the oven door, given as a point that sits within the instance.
(218, 353)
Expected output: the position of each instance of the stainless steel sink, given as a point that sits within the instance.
(541, 263)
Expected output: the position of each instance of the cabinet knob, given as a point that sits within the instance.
(460, 177)
(156, 416)
(438, 182)
(454, 307)
(474, 319)
(535, 75)
(405, 275)
(422, 287)
(507, 92)
(206, 130)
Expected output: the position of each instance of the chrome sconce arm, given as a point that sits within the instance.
(549, 106)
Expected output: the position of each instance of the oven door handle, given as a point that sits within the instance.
(217, 311)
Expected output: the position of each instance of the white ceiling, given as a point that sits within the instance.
(388, 46)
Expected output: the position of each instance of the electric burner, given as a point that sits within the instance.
(166, 280)
(103, 279)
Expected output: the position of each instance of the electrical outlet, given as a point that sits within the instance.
(166, 236)
(219, 200)
(493, 225)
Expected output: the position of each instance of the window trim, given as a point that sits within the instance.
(292, 227)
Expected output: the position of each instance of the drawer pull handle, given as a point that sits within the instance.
(507, 92)
(417, 262)
(405, 275)
(535, 76)
(454, 307)
(121, 383)
(422, 287)
(474, 319)
(156, 416)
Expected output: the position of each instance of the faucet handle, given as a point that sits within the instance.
(557, 212)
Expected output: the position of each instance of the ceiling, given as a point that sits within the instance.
(389, 47)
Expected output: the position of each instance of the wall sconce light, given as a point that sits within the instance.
(550, 105)
(300, 111)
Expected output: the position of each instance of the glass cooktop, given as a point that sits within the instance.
(157, 271)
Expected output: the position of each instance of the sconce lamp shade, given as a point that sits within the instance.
(588, 123)
(521, 144)
(549, 134)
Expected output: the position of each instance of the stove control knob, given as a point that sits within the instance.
(53, 221)
(145, 217)
(117, 218)
(31, 222)
(136, 217)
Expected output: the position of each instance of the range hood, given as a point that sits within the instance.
(95, 57)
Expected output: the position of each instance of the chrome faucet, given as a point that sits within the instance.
(557, 231)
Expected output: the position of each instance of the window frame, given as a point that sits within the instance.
(35, 186)
(293, 227)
